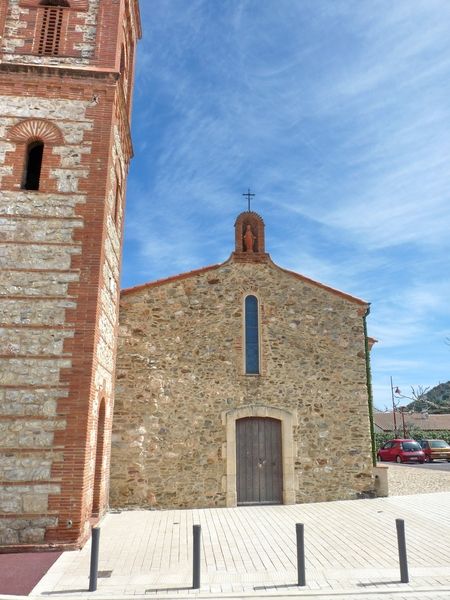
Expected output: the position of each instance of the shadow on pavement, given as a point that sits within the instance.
(275, 587)
(171, 589)
(62, 592)
(373, 583)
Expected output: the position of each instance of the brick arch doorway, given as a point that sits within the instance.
(98, 499)
(259, 466)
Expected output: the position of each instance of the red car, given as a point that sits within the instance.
(401, 451)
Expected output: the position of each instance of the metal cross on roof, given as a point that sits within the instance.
(249, 196)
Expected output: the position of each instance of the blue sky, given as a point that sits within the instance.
(336, 113)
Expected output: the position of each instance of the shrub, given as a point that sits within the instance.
(413, 432)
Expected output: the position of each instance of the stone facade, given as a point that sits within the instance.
(181, 384)
(60, 248)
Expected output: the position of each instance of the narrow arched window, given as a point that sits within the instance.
(124, 70)
(251, 335)
(33, 165)
(51, 25)
(117, 196)
(122, 61)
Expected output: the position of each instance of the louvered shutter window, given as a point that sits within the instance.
(50, 37)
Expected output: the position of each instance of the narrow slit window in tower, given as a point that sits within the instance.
(122, 61)
(251, 336)
(117, 197)
(33, 166)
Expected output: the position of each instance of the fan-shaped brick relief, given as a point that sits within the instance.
(36, 129)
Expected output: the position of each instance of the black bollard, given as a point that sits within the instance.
(197, 532)
(400, 524)
(299, 530)
(95, 544)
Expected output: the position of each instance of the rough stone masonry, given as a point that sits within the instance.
(181, 385)
(66, 87)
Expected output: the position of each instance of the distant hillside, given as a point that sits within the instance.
(439, 396)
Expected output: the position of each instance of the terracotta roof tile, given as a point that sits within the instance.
(385, 421)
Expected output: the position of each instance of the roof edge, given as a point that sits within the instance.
(172, 278)
(323, 286)
(268, 259)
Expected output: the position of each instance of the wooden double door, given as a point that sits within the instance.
(259, 467)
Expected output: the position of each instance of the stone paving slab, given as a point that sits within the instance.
(351, 550)
(281, 594)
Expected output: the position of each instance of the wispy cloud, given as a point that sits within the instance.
(337, 115)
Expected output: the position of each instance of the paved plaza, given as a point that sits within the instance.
(351, 552)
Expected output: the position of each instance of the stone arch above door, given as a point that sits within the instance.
(288, 420)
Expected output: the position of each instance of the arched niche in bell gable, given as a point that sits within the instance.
(249, 232)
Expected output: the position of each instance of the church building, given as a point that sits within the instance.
(240, 383)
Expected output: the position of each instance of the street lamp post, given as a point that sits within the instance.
(396, 392)
(393, 408)
(402, 411)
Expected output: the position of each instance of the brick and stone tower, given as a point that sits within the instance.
(66, 78)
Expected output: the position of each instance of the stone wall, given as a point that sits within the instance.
(180, 371)
(78, 35)
(60, 265)
(37, 243)
(91, 34)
